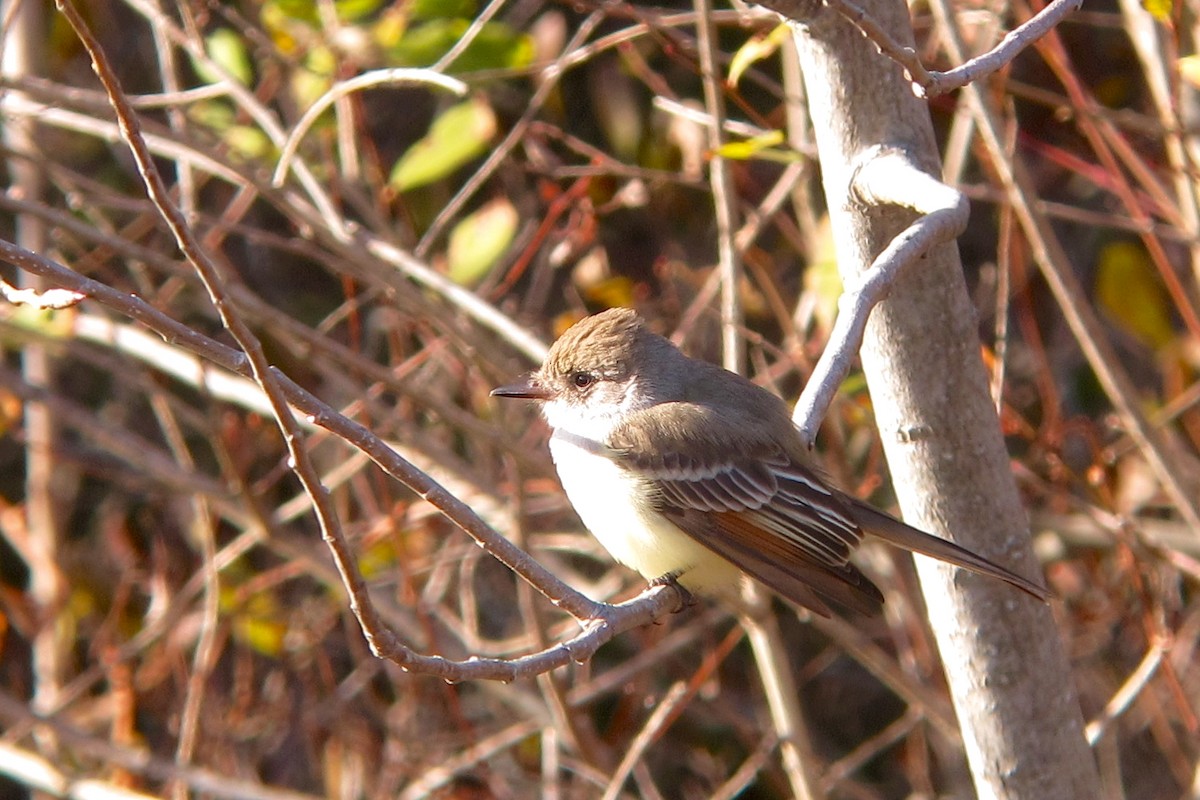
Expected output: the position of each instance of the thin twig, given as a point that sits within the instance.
(604, 621)
(1003, 53)
(469, 35)
(928, 83)
(904, 56)
(140, 762)
(1052, 260)
(1130, 689)
(885, 176)
(379, 77)
(656, 723)
(729, 263)
(783, 696)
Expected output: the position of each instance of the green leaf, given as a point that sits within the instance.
(226, 48)
(755, 49)
(306, 10)
(246, 141)
(441, 9)
(460, 134)
(479, 240)
(496, 47)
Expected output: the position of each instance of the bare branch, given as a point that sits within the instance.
(381, 77)
(884, 176)
(602, 621)
(33, 771)
(49, 299)
(1003, 53)
(927, 83)
(1130, 689)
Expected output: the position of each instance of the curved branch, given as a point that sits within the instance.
(883, 176)
(340, 89)
(602, 621)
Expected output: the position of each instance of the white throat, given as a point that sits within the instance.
(597, 416)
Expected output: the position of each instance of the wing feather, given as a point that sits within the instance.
(813, 523)
(769, 559)
(768, 514)
(715, 471)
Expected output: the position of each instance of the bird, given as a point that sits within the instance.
(688, 472)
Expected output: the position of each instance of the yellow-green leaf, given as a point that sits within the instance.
(755, 49)
(1161, 10)
(460, 134)
(761, 147)
(1130, 292)
(226, 48)
(479, 240)
(264, 635)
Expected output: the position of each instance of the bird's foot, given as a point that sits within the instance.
(672, 579)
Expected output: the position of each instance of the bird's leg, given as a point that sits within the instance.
(672, 579)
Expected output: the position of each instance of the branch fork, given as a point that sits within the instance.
(882, 176)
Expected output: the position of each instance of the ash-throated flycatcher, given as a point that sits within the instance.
(688, 471)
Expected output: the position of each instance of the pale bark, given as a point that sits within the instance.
(1007, 670)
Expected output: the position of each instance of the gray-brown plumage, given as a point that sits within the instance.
(681, 467)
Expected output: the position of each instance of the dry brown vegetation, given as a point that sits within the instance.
(170, 619)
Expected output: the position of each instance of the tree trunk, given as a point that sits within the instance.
(1007, 671)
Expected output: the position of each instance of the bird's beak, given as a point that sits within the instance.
(526, 389)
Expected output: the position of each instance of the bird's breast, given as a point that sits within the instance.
(618, 508)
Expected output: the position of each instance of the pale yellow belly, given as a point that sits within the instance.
(609, 501)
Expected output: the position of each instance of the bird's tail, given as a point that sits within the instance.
(895, 532)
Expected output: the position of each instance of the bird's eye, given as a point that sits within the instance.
(582, 380)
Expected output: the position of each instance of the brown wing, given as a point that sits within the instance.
(775, 562)
(753, 505)
(757, 505)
